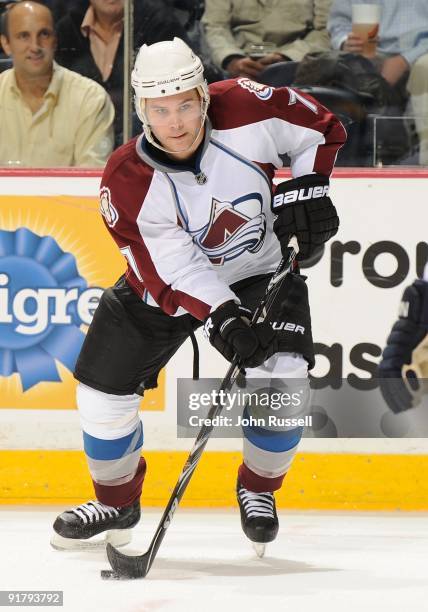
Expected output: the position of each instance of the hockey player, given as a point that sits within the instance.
(405, 357)
(189, 204)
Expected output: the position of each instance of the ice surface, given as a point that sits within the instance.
(320, 562)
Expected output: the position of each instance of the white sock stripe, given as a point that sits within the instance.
(266, 463)
(106, 416)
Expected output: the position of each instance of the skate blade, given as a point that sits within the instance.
(116, 537)
(260, 549)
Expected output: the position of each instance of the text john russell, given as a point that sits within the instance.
(240, 421)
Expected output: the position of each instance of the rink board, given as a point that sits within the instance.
(316, 480)
(353, 306)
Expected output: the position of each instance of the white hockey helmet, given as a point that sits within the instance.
(167, 68)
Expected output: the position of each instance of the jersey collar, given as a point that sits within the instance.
(160, 162)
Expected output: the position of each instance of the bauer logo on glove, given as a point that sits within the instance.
(305, 211)
(319, 191)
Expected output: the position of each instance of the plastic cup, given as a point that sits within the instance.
(365, 23)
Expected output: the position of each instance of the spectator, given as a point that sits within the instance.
(402, 51)
(293, 28)
(91, 42)
(49, 116)
(60, 7)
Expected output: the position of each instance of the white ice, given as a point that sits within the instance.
(320, 562)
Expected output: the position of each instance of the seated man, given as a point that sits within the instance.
(91, 42)
(291, 29)
(49, 116)
(402, 51)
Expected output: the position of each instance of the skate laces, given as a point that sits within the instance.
(94, 511)
(257, 504)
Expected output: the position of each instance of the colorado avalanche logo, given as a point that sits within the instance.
(108, 211)
(233, 228)
(263, 92)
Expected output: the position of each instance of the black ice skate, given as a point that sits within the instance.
(259, 519)
(76, 528)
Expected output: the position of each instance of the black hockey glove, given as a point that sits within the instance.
(304, 210)
(227, 328)
(407, 333)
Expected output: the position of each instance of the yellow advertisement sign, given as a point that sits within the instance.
(56, 258)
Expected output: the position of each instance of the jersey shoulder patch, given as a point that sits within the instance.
(107, 209)
(263, 92)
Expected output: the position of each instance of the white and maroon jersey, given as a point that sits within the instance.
(188, 233)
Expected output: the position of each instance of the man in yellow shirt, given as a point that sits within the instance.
(49, 116)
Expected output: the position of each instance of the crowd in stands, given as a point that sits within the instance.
(62, 67)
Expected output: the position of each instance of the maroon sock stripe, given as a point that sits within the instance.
(125, 494)
(253, 482)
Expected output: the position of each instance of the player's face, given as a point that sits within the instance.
(176, 122)
(32, 41)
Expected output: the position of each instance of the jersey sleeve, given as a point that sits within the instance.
(311, 134)
(162, 258)
(290, 122)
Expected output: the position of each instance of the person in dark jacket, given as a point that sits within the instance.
(91, 42)
(59, 8)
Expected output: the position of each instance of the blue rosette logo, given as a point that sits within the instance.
(43, 303)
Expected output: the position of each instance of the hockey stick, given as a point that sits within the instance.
(127, 566)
